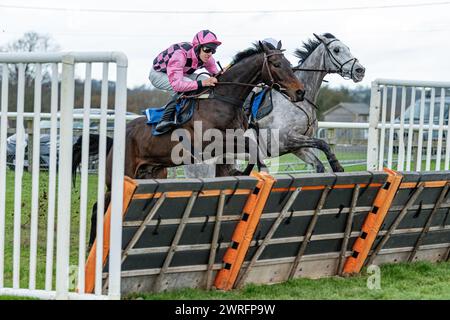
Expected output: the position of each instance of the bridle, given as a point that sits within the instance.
(272, 85)
(266, 64)
(336, 63)
(236, 102)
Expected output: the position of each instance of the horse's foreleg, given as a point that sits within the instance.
(297, 141)
(145, 171)
(200, 170)
(226, 170)
(93, 232)
(308, 156)
(249, 147)
(331, 157)
(256, 157)
(159, 173)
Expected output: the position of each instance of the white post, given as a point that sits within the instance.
(101, 181)
(401, 140)
(3, 134)
(441, 130)
(52, 180)
(374, 116)
(64, 179)
(383, 129)
(35, 179)
(430, 130)
(391, 129)
(84, 177)
(117, 178)
(410, 130)
(420, 142)
(20, 137)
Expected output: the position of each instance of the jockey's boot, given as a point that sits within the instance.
(168, 118)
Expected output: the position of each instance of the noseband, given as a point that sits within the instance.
(337, 63)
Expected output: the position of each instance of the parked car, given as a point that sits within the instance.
(44, 158)
(426, 116)
(45, 138)
(94, 125)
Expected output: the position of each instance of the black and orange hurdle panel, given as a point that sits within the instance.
(129, 187)
(227, 232)
(243, 234)
(308, 223)
(372, 223)
(417, 226)
(176, 231)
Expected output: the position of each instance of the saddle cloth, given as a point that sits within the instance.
(261, 105)
(184, 112)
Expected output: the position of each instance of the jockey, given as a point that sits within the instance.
(173, 70)
(271, 42)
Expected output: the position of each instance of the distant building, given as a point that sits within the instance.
(347, 112)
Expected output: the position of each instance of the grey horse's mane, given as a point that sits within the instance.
(309, 46)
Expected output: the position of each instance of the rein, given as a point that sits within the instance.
(314, 70)
(242, 84)
(237, 102)
(266, 65)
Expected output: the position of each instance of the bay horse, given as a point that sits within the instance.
(147, 156)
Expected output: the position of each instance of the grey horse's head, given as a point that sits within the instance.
(337, 57)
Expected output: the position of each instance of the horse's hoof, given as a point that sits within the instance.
(336, 166)
(264, 169)
(320, 169)
(235, 172)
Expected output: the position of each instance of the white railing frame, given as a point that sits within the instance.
(376, 132)
(68, 61)
(378, 127)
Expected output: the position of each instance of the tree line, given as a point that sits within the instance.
(138, 98)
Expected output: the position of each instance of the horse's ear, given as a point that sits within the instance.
(263, 46)
(279, 45)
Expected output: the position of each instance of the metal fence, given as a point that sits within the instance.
(407, 130)
(55, 265)
(409, 125)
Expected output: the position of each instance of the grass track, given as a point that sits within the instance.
(414, 281)
(420, 280)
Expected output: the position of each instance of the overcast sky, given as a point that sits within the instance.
(402, 39)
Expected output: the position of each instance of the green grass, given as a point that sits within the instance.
(400, 281)
(16, 298)
(340, 155)
(42, 226)
(420, 280)
(299, 165)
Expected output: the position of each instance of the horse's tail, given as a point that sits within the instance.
(93, 150)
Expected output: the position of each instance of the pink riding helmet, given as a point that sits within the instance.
(205, 37)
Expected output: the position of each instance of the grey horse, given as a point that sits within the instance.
(297, 122)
